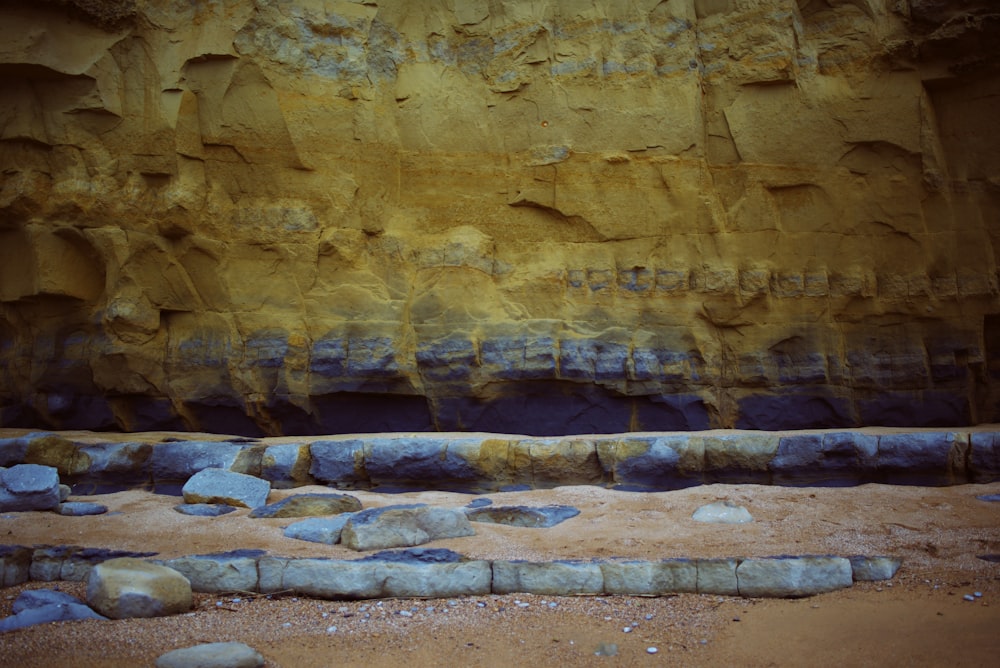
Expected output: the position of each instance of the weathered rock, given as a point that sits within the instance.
(722, 512)
(309, 505)
(403, 526)
(555, 578)
(286, 464)
(871, 569)
(212, 655)
(180, 460)
(922, 457)
(338, 463)
(204, 509)
(232, 264)
(671, 461)
(790, 577)
(226, 487)
(234, 571)
(72, 562)
(523, 516)
(29, 487)
(15, 565)
(984, 456)
(80, 508)
(318, 529)
(42, 606)
(128, 587)
(718, 576)
(831, 458)
(650, 578)
(405, 463)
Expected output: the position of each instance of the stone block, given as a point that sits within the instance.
(655, 462)
(15, 565)
(837, 458)
(555, 578)
(650, 578)
(921, 457)
(740, 457)
(406, 462)
(318, 529)
(338, 463)
(718, 576)
(286, 463)
(180, 460)
(792, 577)
(212, 655)
(874, 569)
(984, 458)
(234, 571)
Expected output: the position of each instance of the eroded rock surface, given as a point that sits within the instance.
(524, 217)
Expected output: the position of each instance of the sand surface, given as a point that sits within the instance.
(920, 618)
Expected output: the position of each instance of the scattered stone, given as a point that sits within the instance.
(606, 649)
(319, 529)
(479, 503)
(309, 505)
(969, 597)
(991, 498)
(873, 569)
(81, 508)
(204, 509)
(42, 606)
(212, 655)
(791, 577)
(129, 587)
(722, 512)
(221, 486)
(651, 650)
(403, 526)
(523, 516)
(29, 487)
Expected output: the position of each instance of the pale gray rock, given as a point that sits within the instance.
(309, 505)
(29, 487)
(318, 529)
(722, 512)
(37, 598)
(523, 516)
(224, 572)
(431, 573)
(338, 462)
(650, 578)
(129, 587)
(182, 459)
(43, 606)
(403, 526)
(81, 508)
(212, 655)
(204, 509)
(718, 576)
(554, 578)
(792, 577)
(873, 569)
(221, 486)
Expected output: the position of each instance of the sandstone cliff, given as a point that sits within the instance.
(311, 216)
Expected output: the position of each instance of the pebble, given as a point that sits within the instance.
(978, 594)
(405, 613)
(649, 617)
(651, 650)
(627, 629)
(553, 604)
(331, 629)
(969, 597)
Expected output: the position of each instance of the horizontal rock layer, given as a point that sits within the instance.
(529, 217)
(489, 462)
(438, 573)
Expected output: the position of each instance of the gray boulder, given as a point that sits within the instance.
(224, 572)
(29, 487)
(180, 460)
(553, 578)
(129, 587)
(318, 529)
(212, 655)
(403, 526)
(81, 508)
(222, 486)
(523, 516)
(338, 462)
(792, 577)
(722, 512)
(42, 606)
(309, 505)
(204, 509)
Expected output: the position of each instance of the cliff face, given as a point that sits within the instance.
(312, 216)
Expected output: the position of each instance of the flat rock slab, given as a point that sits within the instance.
(403, 526)
(551, 578)
(129, 587)
(212, 655)
(81, 508)
(723, 512)
(523, 516)
(204, 509)
(873, 569)
(309, 505)
(222, 486)
(991, 498)
(318, 529)
(793, 577)
(234, 571)
(43, 606)
(29, 487)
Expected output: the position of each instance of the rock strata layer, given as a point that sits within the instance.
(523, 217)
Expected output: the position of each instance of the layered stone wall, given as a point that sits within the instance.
(308, 216)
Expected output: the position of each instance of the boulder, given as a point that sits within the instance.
(792, 577)
(212, 655)
(309, 505)
(403, 526)
(722, 512)
(523, 516)
(221, 486)
(318, 529)
(29, 487)
(179, 460)
(129, 587)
